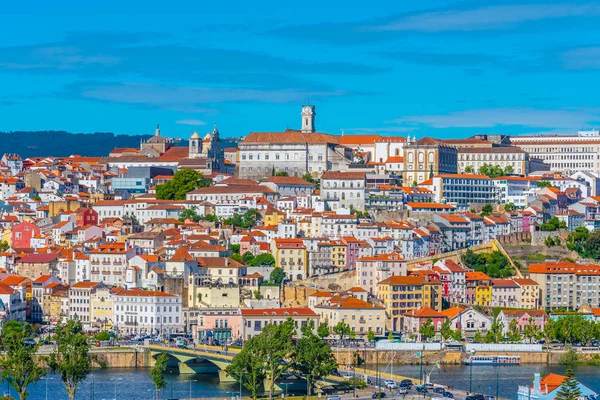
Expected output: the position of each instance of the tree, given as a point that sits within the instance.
(486, 210)
(543, 184)
(569, 390)
(342, 329)
(427, 330)
(184, 181)
(478, 337)
(313, 356)
(248, 366)
(371, 336)
(276, 344)
(237, 257)
(263, 260)
(235, 248)
(277, 275)
(309, 178)
(390, 336)
(247, 257)
(323, 330)
(17, 362)
(282, 173)
(189, 213)
(494, 335)
(71, 359)
(530, 331)
(103, 335)
(469, 169)
(446, 330)
(513, 331)
(246, 220)
(553, 224)
(430, 171)
(508, 207)
(157, 373)
(4, 246)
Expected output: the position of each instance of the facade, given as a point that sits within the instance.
(567, 284)
(523, 318)
(254, 320)
(401, 294)
(80, 295)
(374, 269)
(461, 190)
(291, 256)
(468, 320)
(147, 311)
(503, 157)
(360, 315)
(426, 158)
(108, 263)
(345, 188)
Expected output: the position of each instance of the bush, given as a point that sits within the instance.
(102, 336)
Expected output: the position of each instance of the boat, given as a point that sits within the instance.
(496, 360)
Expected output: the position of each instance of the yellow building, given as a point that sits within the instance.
(530, 293)
(54, 304)
(478, 288)
(338, 254)
(273, 216)
(426, 158)
(101, 308)
(291, 256)
(401, 294)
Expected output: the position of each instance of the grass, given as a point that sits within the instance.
(536, 257)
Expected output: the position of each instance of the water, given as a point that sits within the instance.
(135, 384)
(484, 376)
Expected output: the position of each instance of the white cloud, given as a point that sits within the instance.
(510, 116)
(486, 18)
(190, 122)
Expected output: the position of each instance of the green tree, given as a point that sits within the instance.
(237, 257)
(282, 173)
(4, 246)
(341, 329)
(157, 373)
(469, 169)
(508, 207)
(486, 210)
(531, 330)
(189, 213)
(103, 335)
(313, 356)
(277, 275)
(446, 330)
(235, 248)
(576, 241)
(430, 171)
(19, 368)
(248, 366)
(209, 218)
(509, 170)
(246, 220)
(553, 224)
(371, 336)
(71, 358)
(276, 342)
(513, 331)
(478, 338)
(494, 335)
(309, 178)
(323, 330)
(263, 259)
(184, 181)
(457, 335)
(427, 330)
(569, 390)
(543, 184)
(247, 257)
(390, 336)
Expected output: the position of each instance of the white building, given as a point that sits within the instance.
(109, 261)
(147, 311)
(345, 188)
(79, 301)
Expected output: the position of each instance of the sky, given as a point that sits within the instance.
(426, 68)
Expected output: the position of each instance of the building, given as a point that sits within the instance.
(530, 293)
(344, 188)
(35, 265)
(426, 158)
(360, 315)
(147, 311)
(401, 294)
(108, 263)
(373, 269)
(80, 295)
(468, 320)
(414, 319)
(291, 256)
(505, 293)
(567, 284)
(514, 157)
(461, 190)
(254, 320)
(101, 308)
(289, 185)
(564, 153)
(547, 388)
(293, 151)
(478, 290)
(523, 318)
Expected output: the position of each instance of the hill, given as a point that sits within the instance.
(62, 144)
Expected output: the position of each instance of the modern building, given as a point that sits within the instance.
(461, 190)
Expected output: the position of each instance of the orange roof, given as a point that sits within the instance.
(564, 267)
(438, 206)
(552, 381)
(395, 159)
(477, 276)
(290, 136)
(504, 283)
(453, 312)
(15, 280)
(404, 280)
(305, 311)
(343, 175)
(525, 281)
(85, 285)
(339, 302)
(424, 312)
(182, 255)
(359, 139)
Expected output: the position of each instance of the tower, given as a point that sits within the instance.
(308, 119)
(194, 150)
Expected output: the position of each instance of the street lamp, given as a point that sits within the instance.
(471, 371)
(46, 379)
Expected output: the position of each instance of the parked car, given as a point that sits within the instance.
(403, 390)
(347, 376)
(421, 389)
(334, 398)
(378, 395)
(406, 383)
(438, 390)
(391, 384)
(448, 395)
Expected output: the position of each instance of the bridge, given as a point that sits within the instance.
(197, 360)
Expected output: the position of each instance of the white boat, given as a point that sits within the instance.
(496, 360)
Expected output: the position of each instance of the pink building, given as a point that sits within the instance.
(222, 325)
(413, 320)
(538, 317)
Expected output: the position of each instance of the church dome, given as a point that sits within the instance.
(195, 135)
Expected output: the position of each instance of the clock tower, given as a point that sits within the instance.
(308, 119)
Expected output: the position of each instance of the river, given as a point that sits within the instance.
(135, 384)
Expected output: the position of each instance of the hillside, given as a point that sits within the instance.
(61, 143)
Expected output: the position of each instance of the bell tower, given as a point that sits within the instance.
(308, 119)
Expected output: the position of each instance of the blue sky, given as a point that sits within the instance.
(439, 68)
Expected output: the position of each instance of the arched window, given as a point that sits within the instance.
(431, 156)
(421, 157)
(397, 152)
(410, 157)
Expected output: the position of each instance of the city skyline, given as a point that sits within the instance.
(442, 69)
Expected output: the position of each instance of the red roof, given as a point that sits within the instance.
(279, 312)
(424, 312)
(38, 258)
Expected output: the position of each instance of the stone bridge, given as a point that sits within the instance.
(196, 360)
